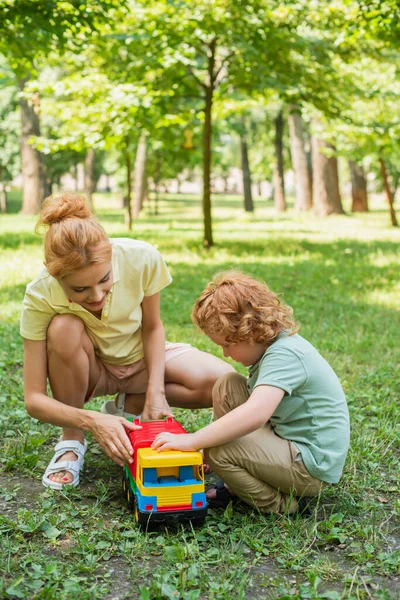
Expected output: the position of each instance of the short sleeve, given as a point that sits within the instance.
(156, 274)
(283, 369)
(36, 317)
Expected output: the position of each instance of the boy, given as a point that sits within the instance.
(282, 433)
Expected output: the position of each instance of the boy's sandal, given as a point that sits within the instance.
(223, 497)
(304, 506)
(72, 466)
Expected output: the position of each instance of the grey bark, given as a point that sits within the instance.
(128, 197)
(279, 181)
(3, 198)
(248, 197)
(388, 192)
(326, 193)
(139, 176)
(90, 178)
(299, 160)
(358, 188)
(32, 165)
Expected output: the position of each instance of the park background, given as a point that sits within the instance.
(257, 135)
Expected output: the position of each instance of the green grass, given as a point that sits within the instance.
(341, 276)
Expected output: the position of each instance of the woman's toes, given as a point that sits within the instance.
(63, 477)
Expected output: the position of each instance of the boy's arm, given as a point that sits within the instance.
(239, 422)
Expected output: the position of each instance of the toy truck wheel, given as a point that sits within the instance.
(131, 498)
(144, 521)
(198, 521)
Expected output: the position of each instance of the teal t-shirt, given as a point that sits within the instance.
(313, 412)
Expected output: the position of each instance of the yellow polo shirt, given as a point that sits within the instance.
(138, 269)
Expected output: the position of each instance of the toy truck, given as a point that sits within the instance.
(163, 487)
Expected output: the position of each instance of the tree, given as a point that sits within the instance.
(9, 140)
(299, 159)
(326, 193)
(359, 192)
(370, 128)
(181, 51)
(248, 198)
(140, 180)
(279, 171)
(31, 30)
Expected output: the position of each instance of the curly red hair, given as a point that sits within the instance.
(73, 238)
(239, 308)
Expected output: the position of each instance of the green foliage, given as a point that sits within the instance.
(9, 133)
(31, 29)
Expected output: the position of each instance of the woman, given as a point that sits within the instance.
(91, 326)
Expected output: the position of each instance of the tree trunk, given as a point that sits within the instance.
(388, 192)
(32, 165)
(326, 194)
(139, 176)
(248, 198)
(90, 178)
(48, 187)
(279, 181)
(108, 186)
(3, 198)
(207, 132)
(395, 183)
(128, 164)
(157, 178)
(299, 160)
(358, 188)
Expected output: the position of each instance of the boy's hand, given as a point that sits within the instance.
(173, 441)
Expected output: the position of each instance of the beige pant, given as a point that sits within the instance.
(261, 468)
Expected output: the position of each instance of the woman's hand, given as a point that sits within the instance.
(173, 441)
(156, 408)
(110, 432)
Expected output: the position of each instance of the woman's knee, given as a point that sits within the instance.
(64, 335)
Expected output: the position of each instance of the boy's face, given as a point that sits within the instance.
(89, 287)
(245, 353)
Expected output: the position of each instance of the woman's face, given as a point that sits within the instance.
(89, 287)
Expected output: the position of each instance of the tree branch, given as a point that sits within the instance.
(192, 73)
(216, 79)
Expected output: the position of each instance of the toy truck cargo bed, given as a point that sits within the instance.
(164, 487)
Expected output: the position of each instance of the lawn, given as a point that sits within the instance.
(341, 276)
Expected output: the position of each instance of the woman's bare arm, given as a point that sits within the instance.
(156, 405)
(108, 430)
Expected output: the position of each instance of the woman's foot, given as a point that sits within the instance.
(66, 464)
(64, 477)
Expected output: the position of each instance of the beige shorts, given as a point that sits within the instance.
(130, 379)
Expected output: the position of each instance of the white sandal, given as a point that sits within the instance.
(72, 466)
(117, 409)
